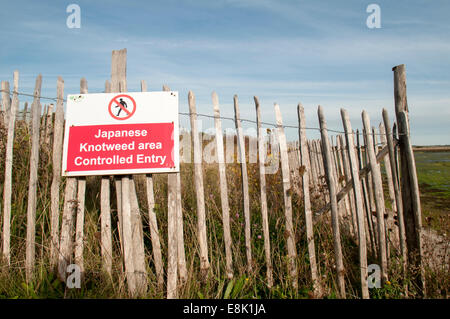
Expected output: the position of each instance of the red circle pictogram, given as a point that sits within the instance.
(123, 107)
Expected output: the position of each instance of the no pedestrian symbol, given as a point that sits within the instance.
(122, 107)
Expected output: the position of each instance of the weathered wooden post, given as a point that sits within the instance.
(140, 266)
(7, 192)
(223, 187)
(198, 180)
(262, 154)
(409, 184)
(305, 163)
(181, 255)
(56, 181)
(105, 216)
(397, 191)
(32, 188)
(354, 172)
(79, 225)
(127, 228)
(287, 194)
(245, 194)
(6, 103)
(330, 176)
(378, 196)
(123, 184)
(172, 248)
(366, 198)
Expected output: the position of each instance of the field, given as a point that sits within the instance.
(433, 170)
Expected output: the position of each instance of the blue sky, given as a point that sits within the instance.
(314, 52)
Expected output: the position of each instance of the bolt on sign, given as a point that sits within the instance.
(126, 133)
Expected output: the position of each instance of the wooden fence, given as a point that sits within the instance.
(343, 171)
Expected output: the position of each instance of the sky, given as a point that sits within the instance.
(313, 52)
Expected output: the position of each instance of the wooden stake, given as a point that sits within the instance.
(328, 166)
(245, 194)
(105, 225)
(347, 173)
(397, 193)
(105, 217)
(313, 171)
(118, 74)
(223, 187)
(409, 186)
(66, 241)
(366, 198)
(305, 163)
(198, 183)
(127, 228)
(341, 169)
(172, 260)
(6, 103)
(262, 178)
(7, 191)
(378, 196)
(140, 268)
(154, 232)
(181, 255)
(387, 166)
(370, 192)
(354, 172)
(32, 186)
(79, 228)
(287, 193)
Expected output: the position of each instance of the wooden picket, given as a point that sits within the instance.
(409, 186)
(244, 175)
(32, 185)
(332, 187)
(58, 127)
(198, 180)
(378, 197)
(262, 152)
(287, 194)
(223, 186)
(354, 173)
(7, 192)
(306, 165)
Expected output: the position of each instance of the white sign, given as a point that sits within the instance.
(121, 133)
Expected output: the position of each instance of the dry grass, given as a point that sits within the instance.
(96, 284)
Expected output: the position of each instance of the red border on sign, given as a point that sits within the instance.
(129, 114)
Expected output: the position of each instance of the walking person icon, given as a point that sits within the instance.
(124, 104)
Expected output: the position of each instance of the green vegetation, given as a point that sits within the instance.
(97, 284)
(433, 172)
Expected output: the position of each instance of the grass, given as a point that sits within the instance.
(96, 284)
(433, 172)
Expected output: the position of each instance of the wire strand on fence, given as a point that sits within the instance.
(212, 116)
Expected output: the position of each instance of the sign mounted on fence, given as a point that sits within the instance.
(112, 134)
